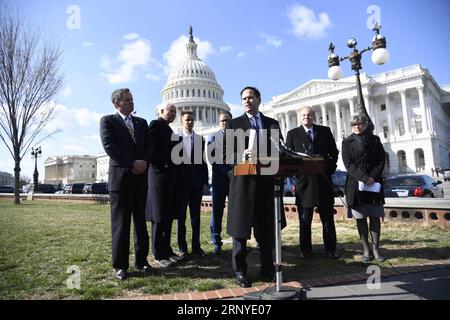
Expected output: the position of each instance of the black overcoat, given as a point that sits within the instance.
(363, 157)
(164, 198)
(246, 191)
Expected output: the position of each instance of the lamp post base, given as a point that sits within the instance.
(285, 293)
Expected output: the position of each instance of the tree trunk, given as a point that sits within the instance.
(17, 178)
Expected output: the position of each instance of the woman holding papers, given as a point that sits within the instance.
(364, 158)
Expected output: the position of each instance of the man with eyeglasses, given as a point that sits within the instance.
(220, 181)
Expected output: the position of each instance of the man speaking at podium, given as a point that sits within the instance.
(315, 190)
(251, 197)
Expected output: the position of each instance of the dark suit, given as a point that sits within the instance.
(127, 191)
(315, 191)
(195, 176)
(251, 204)
(220, 186)
(164, 194)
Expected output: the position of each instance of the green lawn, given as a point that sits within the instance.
(40, 240)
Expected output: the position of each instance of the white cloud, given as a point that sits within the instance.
(88, 44)
(92, 137)
(67, 92)
(235, 109)
(177, 51)
(152, 77)
(305, 23)
(131, 36)
(241, 54)
(134, 56)
(69, 117)
(86, 117)
(271, 41)
(224, 49)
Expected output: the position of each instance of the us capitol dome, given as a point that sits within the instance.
(192, 86)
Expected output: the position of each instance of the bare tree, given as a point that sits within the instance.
(29, 79)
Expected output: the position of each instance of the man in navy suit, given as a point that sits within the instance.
(195, 183)
(124, 138)
(220, 181)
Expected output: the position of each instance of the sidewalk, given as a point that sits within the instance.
(427, 281)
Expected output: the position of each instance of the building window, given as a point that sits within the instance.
(200, 114)
(383, 107)
(401, 128)
(187, 93)
(193, 92)
(209, 94)
(198, 93)
(385, 131)
(204, 93)
(418, 124)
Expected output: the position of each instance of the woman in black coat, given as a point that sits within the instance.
(364, 159)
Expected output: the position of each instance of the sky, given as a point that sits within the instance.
(274, 45)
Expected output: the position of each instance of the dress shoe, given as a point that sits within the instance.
(121, 274)
(242, 280)
(146, 268)
(180, 257)
(217, 250)
(165, 263)
(198, 252)
(304, 255)
(333, 255)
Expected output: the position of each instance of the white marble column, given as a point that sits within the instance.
(299, 118)
(390, 114)
(351, 103)
(288, 125)
(405, 113)
(203, 110)
(423, 112)
(324, 114)
(337, 109)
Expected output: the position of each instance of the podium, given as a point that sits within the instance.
(287, 166)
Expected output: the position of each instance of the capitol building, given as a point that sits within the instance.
(192, 86)
(410, 112)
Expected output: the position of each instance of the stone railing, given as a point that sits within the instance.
(426, 212)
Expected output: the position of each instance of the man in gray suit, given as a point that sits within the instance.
(124, 138)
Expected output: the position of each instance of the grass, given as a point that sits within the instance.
(40, 240)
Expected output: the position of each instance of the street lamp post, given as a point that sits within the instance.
(380, 56)
(35, 153)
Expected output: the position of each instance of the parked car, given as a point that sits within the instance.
(338, 179)
(6, 189)
(46, 188)
(289, 187)
(413, 185)
(67, 188)
(447, 174)
(87, 188)
(99, 188)
(77, 188)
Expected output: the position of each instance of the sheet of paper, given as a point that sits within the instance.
(376, 187)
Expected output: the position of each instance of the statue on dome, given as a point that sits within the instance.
(191, 37)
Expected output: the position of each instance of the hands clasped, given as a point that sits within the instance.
(139, 167)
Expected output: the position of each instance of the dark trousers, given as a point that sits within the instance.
(219, 195)
(194, 200)
(328, 228)
(124, 205)
(161, 233)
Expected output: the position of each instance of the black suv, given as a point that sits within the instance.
(99, 188)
